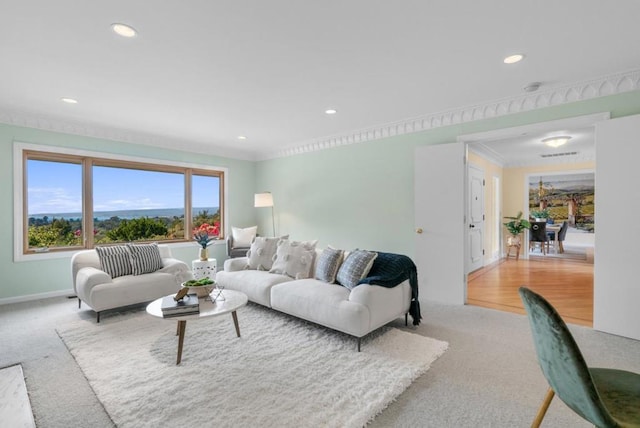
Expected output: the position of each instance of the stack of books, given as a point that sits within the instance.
(188, 305)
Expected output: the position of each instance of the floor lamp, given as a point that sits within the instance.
(265, 199)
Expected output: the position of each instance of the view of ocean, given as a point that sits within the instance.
(129, 214)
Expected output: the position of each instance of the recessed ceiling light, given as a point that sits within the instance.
(532, 87)
(331, 111)
(69, 100)
(512, 59)
(124, 30)
(556, 141)
(242, 137)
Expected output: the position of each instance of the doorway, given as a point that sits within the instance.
(518, 153)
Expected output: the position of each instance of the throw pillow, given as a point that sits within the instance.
(328, 264)
(243, 237)
(294, 258)
(355, 267)
(115, 260)
(145, 258)
(260, 255)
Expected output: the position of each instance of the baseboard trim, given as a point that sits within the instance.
(39, 296)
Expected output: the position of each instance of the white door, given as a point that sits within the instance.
(439, 187)
(475, 218)
(616, 291)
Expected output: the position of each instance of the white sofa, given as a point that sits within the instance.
(356, 312)
(101, 292)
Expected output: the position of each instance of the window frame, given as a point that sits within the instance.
(88, 159)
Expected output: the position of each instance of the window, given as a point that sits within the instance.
(75, 200)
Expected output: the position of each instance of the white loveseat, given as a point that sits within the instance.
(101, 292)
(356, 311)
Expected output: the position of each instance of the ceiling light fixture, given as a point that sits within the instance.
(69, 100)
(124, 30)
(512, 59)
(242, 137)
(556, 141)
(331, 111)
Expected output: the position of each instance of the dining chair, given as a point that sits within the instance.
(604, 397)
(538, 233)
(562, 233)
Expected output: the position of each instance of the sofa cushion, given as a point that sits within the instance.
(243, 237)
(328, 264)
(294, 258)
(260, 255)
(356, 266)
(145, 258)
(115, 260)
(322, 303)
(255, 284)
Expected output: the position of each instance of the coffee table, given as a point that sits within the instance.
(233, 300)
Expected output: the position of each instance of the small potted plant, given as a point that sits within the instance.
(204, 236)
(515, 226)
(540, 215)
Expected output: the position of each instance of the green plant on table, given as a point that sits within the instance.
(540, 213)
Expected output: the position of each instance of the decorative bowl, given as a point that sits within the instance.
(200, 290)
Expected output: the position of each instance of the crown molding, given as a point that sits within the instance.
(119, 135)
(599, 87)
(595, 88)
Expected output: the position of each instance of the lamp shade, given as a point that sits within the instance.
(264, 199)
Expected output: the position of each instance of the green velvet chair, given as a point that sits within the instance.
(604, 397)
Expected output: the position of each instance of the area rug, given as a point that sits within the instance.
(282, 372)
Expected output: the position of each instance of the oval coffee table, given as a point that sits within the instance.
(233, 300)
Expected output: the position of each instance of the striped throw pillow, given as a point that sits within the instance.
(145, 258)
(115, 260)
(328, 264)
(355, 267)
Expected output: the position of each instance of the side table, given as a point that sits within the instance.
(204, 268)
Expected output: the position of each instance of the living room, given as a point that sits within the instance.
(347, 183)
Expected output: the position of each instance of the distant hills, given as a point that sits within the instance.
(129, 214)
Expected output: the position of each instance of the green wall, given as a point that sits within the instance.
(53, 275)
(361, 195)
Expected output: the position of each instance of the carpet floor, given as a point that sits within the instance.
(282, 371)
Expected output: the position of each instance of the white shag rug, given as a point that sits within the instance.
(282, 372)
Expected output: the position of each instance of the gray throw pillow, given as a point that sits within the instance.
(145, 258)
(260, 255)
(115, 260)
(355, 267)
(328, 264)
(294, 258)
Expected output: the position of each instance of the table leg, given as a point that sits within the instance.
(182, 325)
(235, 322)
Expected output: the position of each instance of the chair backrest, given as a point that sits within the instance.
(561, 360)
(563, 231)
(538, 231)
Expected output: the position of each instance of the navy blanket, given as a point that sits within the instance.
(389, 270)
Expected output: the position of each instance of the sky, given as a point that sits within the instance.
(55, 187)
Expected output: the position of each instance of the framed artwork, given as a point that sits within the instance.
(564, 197)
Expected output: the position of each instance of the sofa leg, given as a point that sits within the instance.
(97, 316)
(358, 339)
(79, 302)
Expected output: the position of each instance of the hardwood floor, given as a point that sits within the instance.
(566, 284)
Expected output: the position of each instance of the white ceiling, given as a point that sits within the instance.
(202, 72)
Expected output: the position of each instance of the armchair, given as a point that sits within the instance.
(233, 250)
